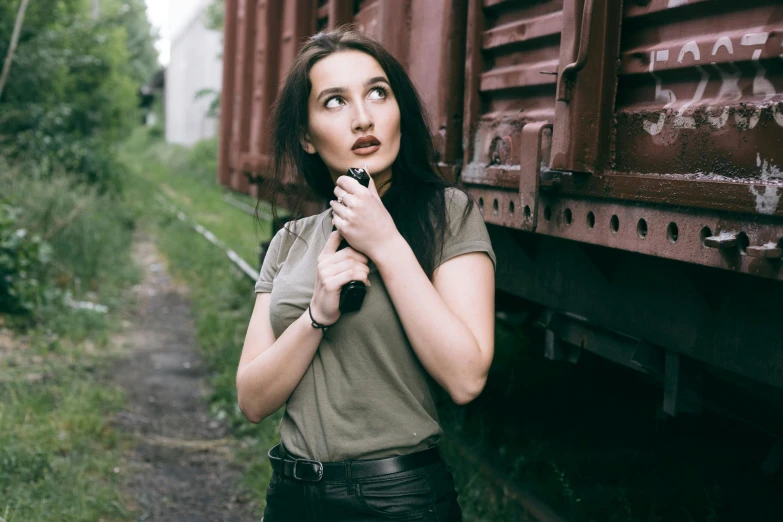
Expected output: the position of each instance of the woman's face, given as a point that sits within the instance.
(351, 98)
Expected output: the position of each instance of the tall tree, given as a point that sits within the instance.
(12, 46)
(74, 87)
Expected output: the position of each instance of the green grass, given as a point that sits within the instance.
(189, 180)
(58, 450)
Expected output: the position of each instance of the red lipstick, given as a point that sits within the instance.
(366, 145)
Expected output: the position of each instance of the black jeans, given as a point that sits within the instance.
(425, 494)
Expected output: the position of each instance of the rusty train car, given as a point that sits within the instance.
(626, 156)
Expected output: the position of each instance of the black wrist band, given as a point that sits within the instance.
(315, 324)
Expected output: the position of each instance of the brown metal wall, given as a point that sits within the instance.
(653, 127)
(627, 166)
(667, 126)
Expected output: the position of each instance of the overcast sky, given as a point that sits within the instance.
(168, 16)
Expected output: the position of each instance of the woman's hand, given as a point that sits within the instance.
(361, 218)
(334, 270)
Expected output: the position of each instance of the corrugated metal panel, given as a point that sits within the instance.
(243, 88)
(513, 51)
(225, 163)
(691, 118)
(368, 19)
(700, 90)
(266, 65)
(436, 65)
(698, 109)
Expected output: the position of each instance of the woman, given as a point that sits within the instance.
(360, 430)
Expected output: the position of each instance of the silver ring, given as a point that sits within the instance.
(340, 199)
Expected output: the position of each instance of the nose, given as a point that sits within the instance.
(363, 120)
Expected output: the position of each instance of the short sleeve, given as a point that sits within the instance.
(472, 236)
(271, 265)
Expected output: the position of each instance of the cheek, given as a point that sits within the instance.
(395, 119)
(322, 134)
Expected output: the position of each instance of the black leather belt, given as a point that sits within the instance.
(314, 471)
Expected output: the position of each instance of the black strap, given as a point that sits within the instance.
(315, 471)
(323, 327)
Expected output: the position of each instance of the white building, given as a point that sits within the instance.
(195, 64)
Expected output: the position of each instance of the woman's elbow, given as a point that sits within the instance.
(468, 393)
(251, 413)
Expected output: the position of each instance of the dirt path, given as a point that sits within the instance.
(181, 468)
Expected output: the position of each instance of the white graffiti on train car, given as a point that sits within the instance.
(729, 92)
(767, 201)
(661, 94)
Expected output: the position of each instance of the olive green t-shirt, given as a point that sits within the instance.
(365, 394)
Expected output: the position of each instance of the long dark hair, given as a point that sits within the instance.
(415, 197)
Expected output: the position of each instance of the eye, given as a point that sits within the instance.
(329, 105)
(330, 100)
(382, 90)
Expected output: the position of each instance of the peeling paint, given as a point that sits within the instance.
(767, 169)
(767, 202)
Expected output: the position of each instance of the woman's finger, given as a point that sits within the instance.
(350, 253)
(346, 199)
(349, 275)
(331, 244)
(340, 192)
(355, 254)
(342, 266)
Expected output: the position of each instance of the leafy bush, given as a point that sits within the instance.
(23, 259)
(215, 15)
(59, 238)
(73, 87)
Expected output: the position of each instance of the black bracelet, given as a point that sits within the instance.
(317, 325)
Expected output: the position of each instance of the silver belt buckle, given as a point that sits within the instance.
(320, 470)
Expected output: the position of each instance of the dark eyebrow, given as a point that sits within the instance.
(341, 90)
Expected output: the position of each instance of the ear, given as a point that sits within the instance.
(307, 145)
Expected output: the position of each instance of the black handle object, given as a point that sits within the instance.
(352, 293)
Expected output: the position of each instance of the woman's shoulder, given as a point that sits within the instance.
(303, 227)
(457, 201)
(308, 222)
(456, 196)
(454, 191)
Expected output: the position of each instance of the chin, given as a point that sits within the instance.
(377, 166)
(374, 165)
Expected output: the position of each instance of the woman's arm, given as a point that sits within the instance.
(449, 321)
(269, 369)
